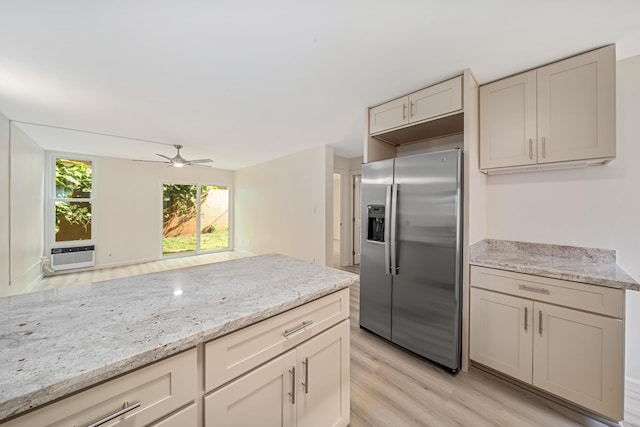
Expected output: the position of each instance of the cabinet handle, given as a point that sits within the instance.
(540, 322)
(125, 408)
(411, 113)
(404, 111)
(292, 371)
(305, 384)
(526, 318)
(544, 148)
(534, 289)
(530, 149)
(303, 325)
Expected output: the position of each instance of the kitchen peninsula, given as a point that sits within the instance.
(185, 340)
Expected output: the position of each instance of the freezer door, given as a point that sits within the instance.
(375, 283)
(426, 289)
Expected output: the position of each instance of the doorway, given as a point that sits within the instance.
(337, 218)
(195, 218)
(357, 219)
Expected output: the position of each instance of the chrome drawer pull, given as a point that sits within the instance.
(303, 325)
(125, 408)
(292, 371)
(540, 322)
(534, 289)
(305, 384)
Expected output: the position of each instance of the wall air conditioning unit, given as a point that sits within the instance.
(74, 257)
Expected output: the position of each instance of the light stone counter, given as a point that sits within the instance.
(576, 264)
(56, 342)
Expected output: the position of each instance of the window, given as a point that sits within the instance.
(195, 218)
(72, 200)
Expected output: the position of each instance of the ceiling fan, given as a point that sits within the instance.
(178, 161)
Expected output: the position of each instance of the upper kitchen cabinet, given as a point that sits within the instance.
(428, 113)
(389, 115)
(508, 126)
(434, 101)
(559, 115)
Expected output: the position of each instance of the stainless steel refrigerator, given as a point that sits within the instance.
(410, 271)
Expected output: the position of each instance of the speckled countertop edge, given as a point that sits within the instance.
(585, 265)
(56, 342)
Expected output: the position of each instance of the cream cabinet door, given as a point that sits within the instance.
(576, 107)
(389, 115)
(436, 100)
(580, 356)
(263, 397)
(501, 333)
(508, 122)
(323, 386)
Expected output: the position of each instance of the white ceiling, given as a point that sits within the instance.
(245, 81)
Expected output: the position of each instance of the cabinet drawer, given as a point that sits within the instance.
(234, 354)
(596, 299)
(160, 388)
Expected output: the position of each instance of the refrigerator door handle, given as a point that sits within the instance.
(387, 253)
(393, 237)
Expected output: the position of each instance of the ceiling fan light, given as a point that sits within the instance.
(178, 164)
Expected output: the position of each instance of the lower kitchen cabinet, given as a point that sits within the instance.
(307, 386)
(263, 397)
(579, 356)
(290, 369)
(323, 390)
(543, 334)
(501, 335)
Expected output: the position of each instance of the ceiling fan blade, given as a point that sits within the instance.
(165, 157)
(150, 161)
(201, 161)
(200, 165)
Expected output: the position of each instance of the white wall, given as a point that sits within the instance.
(4, 203)
(285, 205)
(127, 224)
(593, 207)
(26, 214)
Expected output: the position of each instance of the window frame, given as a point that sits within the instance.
(50, 213)
(199, 184)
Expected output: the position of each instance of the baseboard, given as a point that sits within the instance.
(632, 384)
(120, 264)
(244, 252)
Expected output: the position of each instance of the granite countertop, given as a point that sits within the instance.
(576, 264)
(56, 342)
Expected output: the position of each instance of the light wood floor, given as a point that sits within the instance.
(91, 276)
(393, 388)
